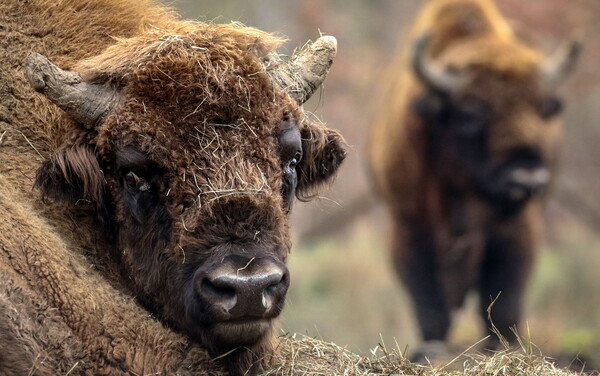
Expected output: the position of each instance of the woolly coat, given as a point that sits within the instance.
(67, 307)
(64, 317)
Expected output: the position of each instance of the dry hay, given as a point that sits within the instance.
(302, 355)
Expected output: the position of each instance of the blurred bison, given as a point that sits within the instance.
(463, 148)
(185, 141)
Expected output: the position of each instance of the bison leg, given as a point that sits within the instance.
(416, 265)
(506, 266)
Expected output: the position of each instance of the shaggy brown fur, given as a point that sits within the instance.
(199, 124)
(74, 320)
(437, 158)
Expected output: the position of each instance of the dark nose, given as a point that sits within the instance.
(242, 287)
(526, 182)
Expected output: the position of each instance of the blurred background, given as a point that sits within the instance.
(343, 289)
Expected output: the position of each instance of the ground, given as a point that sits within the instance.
(343, 290)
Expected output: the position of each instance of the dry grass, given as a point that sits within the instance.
(344, 291)
(303, 355)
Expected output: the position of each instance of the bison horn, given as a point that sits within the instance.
(306, 70)
(87, 103)
(561, 63)
(432, 74)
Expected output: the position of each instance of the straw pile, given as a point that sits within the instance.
(302, 355)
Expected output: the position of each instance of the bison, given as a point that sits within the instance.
(463, 148)
(168, 154)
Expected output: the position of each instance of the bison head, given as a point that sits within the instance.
(194, 146)
(491, 112)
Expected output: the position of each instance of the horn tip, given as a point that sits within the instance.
(328, 41)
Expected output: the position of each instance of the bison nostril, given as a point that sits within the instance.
(278, 281)
(275, 290)
(219, 293)
(217, 289)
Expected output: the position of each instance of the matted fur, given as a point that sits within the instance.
(200, 105)
(438, 215)
(64, 316)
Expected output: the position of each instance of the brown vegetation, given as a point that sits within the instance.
(301, 355)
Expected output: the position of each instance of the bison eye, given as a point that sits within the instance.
(290, 147)
(550, 107)
(471, 124)
(128, 160)
(290, 154)
(131, 179)
(294, 162)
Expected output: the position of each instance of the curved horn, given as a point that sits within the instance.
(430, 73)
(562, 62)
(307, 69)
(87, 103)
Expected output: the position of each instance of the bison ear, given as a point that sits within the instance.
(324, 151)
(72, 174)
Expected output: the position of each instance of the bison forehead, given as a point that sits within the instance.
(202, 107)
(212, 74)
(508, 58)
(220, 46)
(203, 158)
(183, 71)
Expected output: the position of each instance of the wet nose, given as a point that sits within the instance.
(525, 182)
(245, 287)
